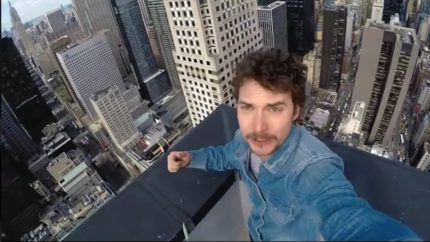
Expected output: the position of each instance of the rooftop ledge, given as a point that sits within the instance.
(161, 206)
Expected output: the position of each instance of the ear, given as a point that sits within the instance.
(296, 112)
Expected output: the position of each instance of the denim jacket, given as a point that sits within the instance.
(301, 193)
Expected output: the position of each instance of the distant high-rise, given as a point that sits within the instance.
(67, 94)
(424, 162)
(392, 7)
(16, 137)
(56, 20)
(301, 22)
(272, 20)
(154, 83)
(423, 101)
(422, 71)
(23, 42)
(333, 47)
(422, 133)
(159, 19)
(424, 31)
(112, 110)
(349, 31)
(144, 11)
(97, 15)
(377, 10)
(86, 72)
(20, 203)
(387, 62)
(309, 61)
(21, 93)
(210, 38)
(155, 46)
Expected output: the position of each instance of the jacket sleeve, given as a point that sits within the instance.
(343, 215)
(215, 158)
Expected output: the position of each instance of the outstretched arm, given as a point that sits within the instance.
(344, 216)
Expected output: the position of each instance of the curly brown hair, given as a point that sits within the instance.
(274, 70)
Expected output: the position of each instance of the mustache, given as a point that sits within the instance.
(260, 136)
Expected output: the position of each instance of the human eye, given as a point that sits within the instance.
(275, 109)
(245, 107)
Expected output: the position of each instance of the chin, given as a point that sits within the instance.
(263, 153)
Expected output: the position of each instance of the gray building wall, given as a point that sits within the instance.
(161, 23)
(136, 39)
(15, 134)
(386, 65)
(272, 20)
(333, 47)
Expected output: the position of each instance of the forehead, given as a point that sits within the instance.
(251, 90)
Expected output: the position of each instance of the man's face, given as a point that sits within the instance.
(265, 117)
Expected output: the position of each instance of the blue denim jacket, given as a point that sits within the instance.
(301, 193)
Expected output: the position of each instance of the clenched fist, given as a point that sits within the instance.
(178, 159)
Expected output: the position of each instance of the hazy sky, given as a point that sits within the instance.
(27, 9)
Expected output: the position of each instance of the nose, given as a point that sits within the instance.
(260, 123)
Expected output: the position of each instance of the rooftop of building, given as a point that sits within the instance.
(270, 6)
(408, 34)
(158, 205)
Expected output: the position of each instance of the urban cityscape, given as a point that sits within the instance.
(94, 92)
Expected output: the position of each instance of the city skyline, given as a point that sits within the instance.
(27, 10)
(100, 93)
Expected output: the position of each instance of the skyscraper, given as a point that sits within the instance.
(424, 161)
(20, 203)
(97, 15)
(387, 61)
(68, 94)
(422, 71)
(333, 48)
(392, 7)
(424, 31)
(56, 20)
(16, 137)
(86, 72)
(23, 42)
(272, 20)
(115, 117)
(423, 101)
(301, 22)
(159, 19)
(422, 133)
(154, 83)
(21, 93)
(210, 38)
(377, 10)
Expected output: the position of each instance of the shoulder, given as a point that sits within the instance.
(311, 150)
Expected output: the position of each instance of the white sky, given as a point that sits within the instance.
(27, 9)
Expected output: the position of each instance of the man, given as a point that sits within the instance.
(296, 183)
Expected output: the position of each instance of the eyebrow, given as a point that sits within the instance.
(276, 104)
(270, 104)
(243, 103)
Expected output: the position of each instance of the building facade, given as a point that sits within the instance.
(86, 73)
(20, 91)
(210, 38)
(160, 21)
(97, 15)
(301, 22)
(272, 20)
(56, 20)
(115, 117)
(333, 47)
(387, 62)
(15, 135)
(154, 83)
